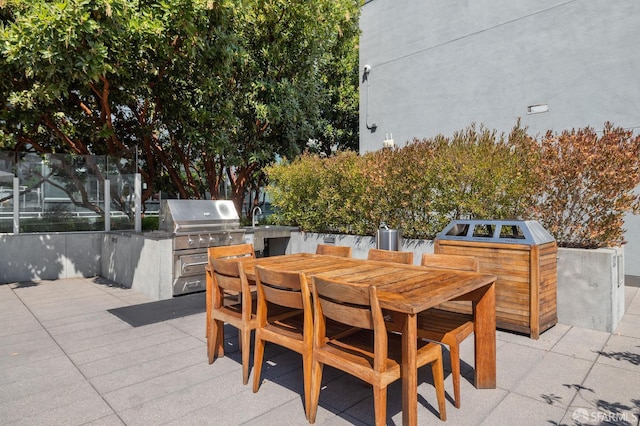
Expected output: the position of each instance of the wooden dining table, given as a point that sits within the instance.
(409, 290)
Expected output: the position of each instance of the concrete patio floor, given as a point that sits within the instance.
(85, 352)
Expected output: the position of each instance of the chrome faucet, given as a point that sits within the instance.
(253, 215)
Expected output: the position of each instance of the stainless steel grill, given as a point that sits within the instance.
(197, 225)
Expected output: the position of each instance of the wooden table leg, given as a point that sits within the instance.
(409, 371)
(484, 311)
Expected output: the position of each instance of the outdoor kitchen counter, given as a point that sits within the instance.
(258, 234)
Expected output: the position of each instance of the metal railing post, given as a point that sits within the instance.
(138, 202)
(16, 205)
(107, 206)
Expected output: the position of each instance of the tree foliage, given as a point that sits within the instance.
(205, 91)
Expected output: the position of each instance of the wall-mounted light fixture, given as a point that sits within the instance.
(365, 79)
(388, 141)
(537, 109)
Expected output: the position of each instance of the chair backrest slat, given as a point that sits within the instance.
(281, 287)
(348, 304)
(289, 298)
(347, 314)
(228, 283)
(405, 257)
(283, 279)
(450, 261)
(352, 294)
(234, 251)
(342, 251)
(227, 274)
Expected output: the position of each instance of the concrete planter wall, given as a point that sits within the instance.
(591, 288)
(590, 282)
(306, 242)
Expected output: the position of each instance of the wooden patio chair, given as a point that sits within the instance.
(370, 354)
(231, 301)
(288, 290)
(228, 284)
(450, 328)
(222, 252)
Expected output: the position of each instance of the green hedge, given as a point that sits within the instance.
(71, 224)
(578, 184)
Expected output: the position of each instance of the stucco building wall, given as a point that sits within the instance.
(436, 66)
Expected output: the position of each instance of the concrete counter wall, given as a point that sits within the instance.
(139, 262)
(26, 257)
(129, 259)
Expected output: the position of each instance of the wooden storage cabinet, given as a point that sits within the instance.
(523, 256)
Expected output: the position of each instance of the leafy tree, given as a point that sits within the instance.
(340, 101)
(98, 77)
(278, 86)
(205, 91)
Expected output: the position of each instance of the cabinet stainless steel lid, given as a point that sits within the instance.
(496, 231)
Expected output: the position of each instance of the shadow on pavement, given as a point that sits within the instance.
(162, 310)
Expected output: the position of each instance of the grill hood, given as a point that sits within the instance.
(180, 216)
